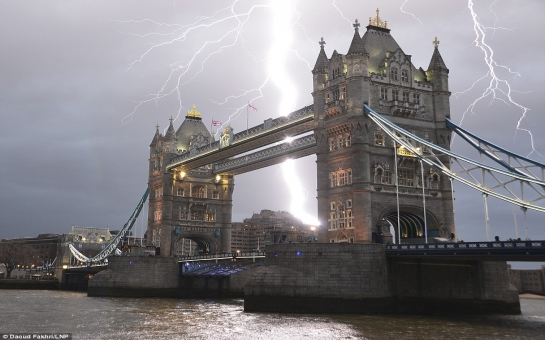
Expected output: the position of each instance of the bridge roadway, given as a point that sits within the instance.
(489, 251)
(270, 132)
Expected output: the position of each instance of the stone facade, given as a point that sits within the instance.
(357, 163)
(358, 278)
(145, 276)
(191, 205)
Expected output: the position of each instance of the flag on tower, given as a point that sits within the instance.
(252, 107)
(216, 123)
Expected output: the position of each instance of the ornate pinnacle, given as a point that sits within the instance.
(377, 21)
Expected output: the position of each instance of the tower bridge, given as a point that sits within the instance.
(380, 129)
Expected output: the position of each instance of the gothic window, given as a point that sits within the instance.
(157, 215)
(215, 194)
(341, 178)
(197, 216)
(343, 92)
(332, 143)
(332, 206)
(198, 191)
(377, 178)
(327, 97)
(333, 178)
(180, 191)
(434, 181)
(386, 177)
(406, 177)
(158, 192)
(332, 220)
(383, 93)
(349, 218)
(395, 94)
(347, 139)
(210, 217)
(379, 138)
(405, 75)
(393, 73)
(405, 96)
(349, 203)
(336, 94)
(416, 98)
(183, 215)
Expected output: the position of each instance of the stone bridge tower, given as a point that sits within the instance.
(189, 212)
(357, 163)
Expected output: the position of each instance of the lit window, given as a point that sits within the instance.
(210, 217)
(331, 144)
(198, 192)
(406, 177)
(379, 138)
(347, 139)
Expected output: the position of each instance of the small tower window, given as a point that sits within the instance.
(379, 138)
(383, 93)
(395, 94)
(393, 73)
(405, 75)
(416, 98)
(405, 96)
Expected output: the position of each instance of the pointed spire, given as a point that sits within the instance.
(356, 47)
(156, 136)
(170, 134)
(322, 61)
(436, 62)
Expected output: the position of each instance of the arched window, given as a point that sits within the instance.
(198, 191)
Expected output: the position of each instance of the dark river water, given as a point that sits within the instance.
(127, 318)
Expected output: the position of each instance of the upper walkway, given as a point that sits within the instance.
(270, 132)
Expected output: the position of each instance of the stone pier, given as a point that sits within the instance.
(358, 278)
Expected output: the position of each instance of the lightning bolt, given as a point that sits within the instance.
(285, 19)
(414, 16)
(498, 87)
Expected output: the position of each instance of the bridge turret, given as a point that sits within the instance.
(320, 78)
(437, 74)
(357, 72)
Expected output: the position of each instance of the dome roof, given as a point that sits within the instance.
(191, 127)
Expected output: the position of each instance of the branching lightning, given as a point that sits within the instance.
(285, 19)
(414, 16)
(498, 87)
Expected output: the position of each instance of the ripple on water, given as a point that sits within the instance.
(128, 318)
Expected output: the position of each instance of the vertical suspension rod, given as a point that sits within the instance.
(424, 200)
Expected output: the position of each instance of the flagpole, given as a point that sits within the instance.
(247, 115)
(211, 132)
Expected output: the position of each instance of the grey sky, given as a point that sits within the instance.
(66, 86)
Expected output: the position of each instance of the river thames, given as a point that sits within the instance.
(45, 311)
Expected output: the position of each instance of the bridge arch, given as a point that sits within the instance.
(193, 243)
(412, 226)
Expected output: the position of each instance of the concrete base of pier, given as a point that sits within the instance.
(358, 278)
